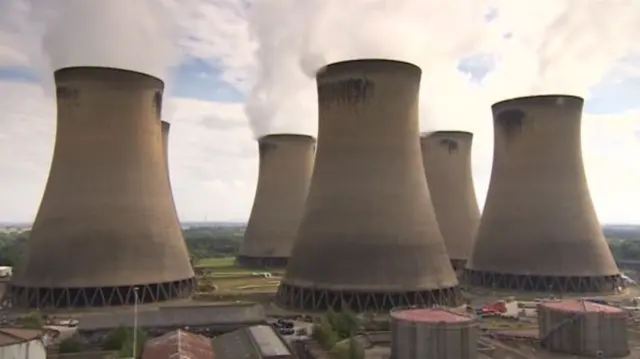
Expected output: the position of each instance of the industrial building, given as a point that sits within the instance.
(286, 165)
(106, 231)
(539, 231)
(369, 238)
(433, 333)
(19, 343)
(583, 328)
(258, 341)
(446, 156)
(178, 344)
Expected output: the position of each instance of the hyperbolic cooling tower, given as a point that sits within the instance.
(106, 230)
(446, 156)
(286, 165)
(539, 230)
(369, 238)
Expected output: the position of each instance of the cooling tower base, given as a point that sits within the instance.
(27, 297)
(458, 264)
(553, 284)
(313, 299)
(262, 262)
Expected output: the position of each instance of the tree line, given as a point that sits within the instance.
(202, 242)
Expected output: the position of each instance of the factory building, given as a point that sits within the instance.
(446, 156)
(106, 231)
(19, 343)
(178, 344)
(539, 230)
(369, 238)
(286, 165)
(580, 327)
(433, 333)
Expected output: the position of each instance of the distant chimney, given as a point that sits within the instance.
(286, 164)
(369, 238)
(539, 231)
(106, 231)
(447, 164)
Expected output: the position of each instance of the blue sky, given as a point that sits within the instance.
(225, 48)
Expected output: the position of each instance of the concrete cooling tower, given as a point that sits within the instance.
(286, 165)
(106, 231)
(369, 237)
(539, 230)
(446, 156)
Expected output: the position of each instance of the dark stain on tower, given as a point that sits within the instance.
(539, 231)
(345, 92)
(106, 231)
(368, 238)
(450, 144)
(511, 121)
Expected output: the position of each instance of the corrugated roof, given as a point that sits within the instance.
(267, 341)
(430, 315)
(574, 305)
(178, 344)
(9, 336)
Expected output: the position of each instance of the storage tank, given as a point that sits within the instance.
(433, 333)
(446, 156)
(20, 343)
(583, 328)
(368, 237)
(539, 231)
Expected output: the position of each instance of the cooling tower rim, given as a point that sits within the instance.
(429, 134)
(71, 69)
(277, 136)
(532, 98)
(359, 63)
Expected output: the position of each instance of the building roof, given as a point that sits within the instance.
(430, 315)
(575, 305)
(254, 342)
(10, 336)
(178, 344)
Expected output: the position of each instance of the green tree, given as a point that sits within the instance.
(70, 345)
(356, 351)
(324, 334)
(32, 320)
(121, 340)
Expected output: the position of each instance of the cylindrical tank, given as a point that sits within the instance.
(539, 231)
(369, 237)
(286, 165)
(446, 156)
(106, 231)
(583, 328)
(433, 333)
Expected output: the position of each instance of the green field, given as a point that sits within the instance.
(230, 279)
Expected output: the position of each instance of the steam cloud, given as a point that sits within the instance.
(134, 35)
(530, 47)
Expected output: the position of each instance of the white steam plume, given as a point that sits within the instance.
(295, 38)
(563, 46)
(134, 35)
(535, 47)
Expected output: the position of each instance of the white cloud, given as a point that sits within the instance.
(213, 157)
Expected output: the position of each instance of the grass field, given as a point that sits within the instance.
(231, 279)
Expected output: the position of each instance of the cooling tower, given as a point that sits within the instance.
(286, 164)
(539, 230)
(106, 232)
(368, 238)
(446, 156)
